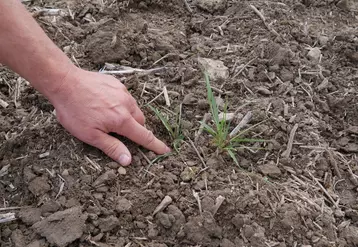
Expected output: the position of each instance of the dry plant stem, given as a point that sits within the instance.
(12, 208)
(244, 67)
(196, 196)
(324, 190)
(8, 217)
(245, 120)
(264, 21)
(287, 152)
(197, 152)
(201, 128)
(50, 12)
(166, 96)
(164, 203)
(334, 164)
(187, 6)
(4, 104)
(219, 200)
(131, 71)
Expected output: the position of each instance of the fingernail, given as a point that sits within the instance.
(124, 160)
(167, 150)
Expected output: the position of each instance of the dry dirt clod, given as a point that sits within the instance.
(349, 5)
(211, 5)
(215, 68)
(107, 224)
(30, 215)
(63, 227)
(39, 186)
(123, 205)
(189, 173)
(264, 91)
(270, 169)
(104, 178)
(17, 238)
(164, 203)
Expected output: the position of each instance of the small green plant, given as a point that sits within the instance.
(220, 131)
(173, 127)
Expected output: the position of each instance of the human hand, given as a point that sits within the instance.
(90, 105)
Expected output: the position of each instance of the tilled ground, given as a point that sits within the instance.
(291, 64)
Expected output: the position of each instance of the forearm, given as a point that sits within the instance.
(26, 49)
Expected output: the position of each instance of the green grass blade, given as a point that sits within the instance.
(212, 102)
(163, 120)
(208, 129)
(233, 157)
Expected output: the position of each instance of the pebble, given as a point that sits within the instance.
(323, 40)
(263, 91)
(215, 68)
(122, 171)
(229, 116)
(314, 54)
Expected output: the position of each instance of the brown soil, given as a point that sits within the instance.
(307, 197)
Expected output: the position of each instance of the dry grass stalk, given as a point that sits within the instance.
(264, 21)
(287, 152)
(245, 120)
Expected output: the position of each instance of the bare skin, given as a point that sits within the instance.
(89, 105)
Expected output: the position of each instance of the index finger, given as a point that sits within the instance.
(142, 136)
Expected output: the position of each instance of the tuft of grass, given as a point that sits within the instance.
(220, 130)
(173, 127)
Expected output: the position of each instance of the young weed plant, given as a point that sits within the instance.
(173, 127)
(220, 131)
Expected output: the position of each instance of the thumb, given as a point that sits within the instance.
(112, 147)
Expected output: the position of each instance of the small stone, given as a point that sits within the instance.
(113, 165)
(122, 171)
(270, 169)
(314, 54)
(98, 196)
(229, 116)
(123, 205)
(189, 173)
(108, 224)
(215, 68)
(65, 173)
(104, 178)
(263, 91)
(39, 186)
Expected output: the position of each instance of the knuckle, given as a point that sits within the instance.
(149, 139)
(111, 149)
(124, 118)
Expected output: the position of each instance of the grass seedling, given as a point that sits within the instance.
(173, 127)
(220, 130)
